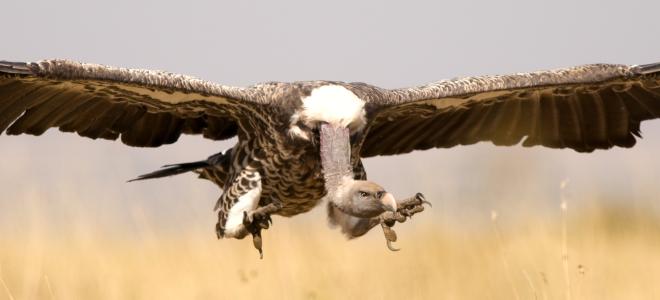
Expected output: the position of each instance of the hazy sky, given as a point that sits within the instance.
(386, 43)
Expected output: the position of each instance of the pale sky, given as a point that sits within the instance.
(386, 43)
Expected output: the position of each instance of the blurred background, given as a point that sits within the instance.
(71, 227)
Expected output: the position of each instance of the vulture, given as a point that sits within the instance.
(301, 143)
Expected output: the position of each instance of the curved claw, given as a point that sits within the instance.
(422, 199)
(391, 247)
(256, 240)
(390, 236)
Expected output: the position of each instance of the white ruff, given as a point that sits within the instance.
(333, 104)
(246, 203)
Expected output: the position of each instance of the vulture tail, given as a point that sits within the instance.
(175, 169)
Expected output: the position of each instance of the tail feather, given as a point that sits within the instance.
(175, 169)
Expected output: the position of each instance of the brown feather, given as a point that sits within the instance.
(98, 101)
(583, 108)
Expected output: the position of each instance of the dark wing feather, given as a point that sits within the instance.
(583, 108)
(144, 108)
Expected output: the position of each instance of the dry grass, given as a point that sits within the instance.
(70, 230)
(613, 254)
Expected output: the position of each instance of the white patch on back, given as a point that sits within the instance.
(246, 203)
(333, 104)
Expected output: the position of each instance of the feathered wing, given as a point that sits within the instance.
(145, 108)
(584, 108)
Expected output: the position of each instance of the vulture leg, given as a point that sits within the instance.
(258, 219)
(410, 206)
(239, 213)
(406, 209)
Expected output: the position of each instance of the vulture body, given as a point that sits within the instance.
(300, 142)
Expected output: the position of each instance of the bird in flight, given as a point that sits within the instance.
(301, 143)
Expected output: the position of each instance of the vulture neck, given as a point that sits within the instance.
(336, 161)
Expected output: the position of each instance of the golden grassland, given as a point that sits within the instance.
(610, 253)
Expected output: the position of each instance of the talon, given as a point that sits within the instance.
(391, 247)
(422, 199)
(390, 236)
(256, 240)
(420, 196)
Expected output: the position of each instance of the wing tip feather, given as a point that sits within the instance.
(647, 68)
(10, 67)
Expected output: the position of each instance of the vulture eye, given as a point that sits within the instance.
(364, 194)
(380, 195)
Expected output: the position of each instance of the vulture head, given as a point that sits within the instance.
(363, 199)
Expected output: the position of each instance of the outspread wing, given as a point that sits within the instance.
(145, 108)
(584, 108)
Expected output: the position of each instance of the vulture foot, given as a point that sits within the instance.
(406, 209)
(258, 219)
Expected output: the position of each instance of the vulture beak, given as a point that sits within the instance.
(388, 202)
